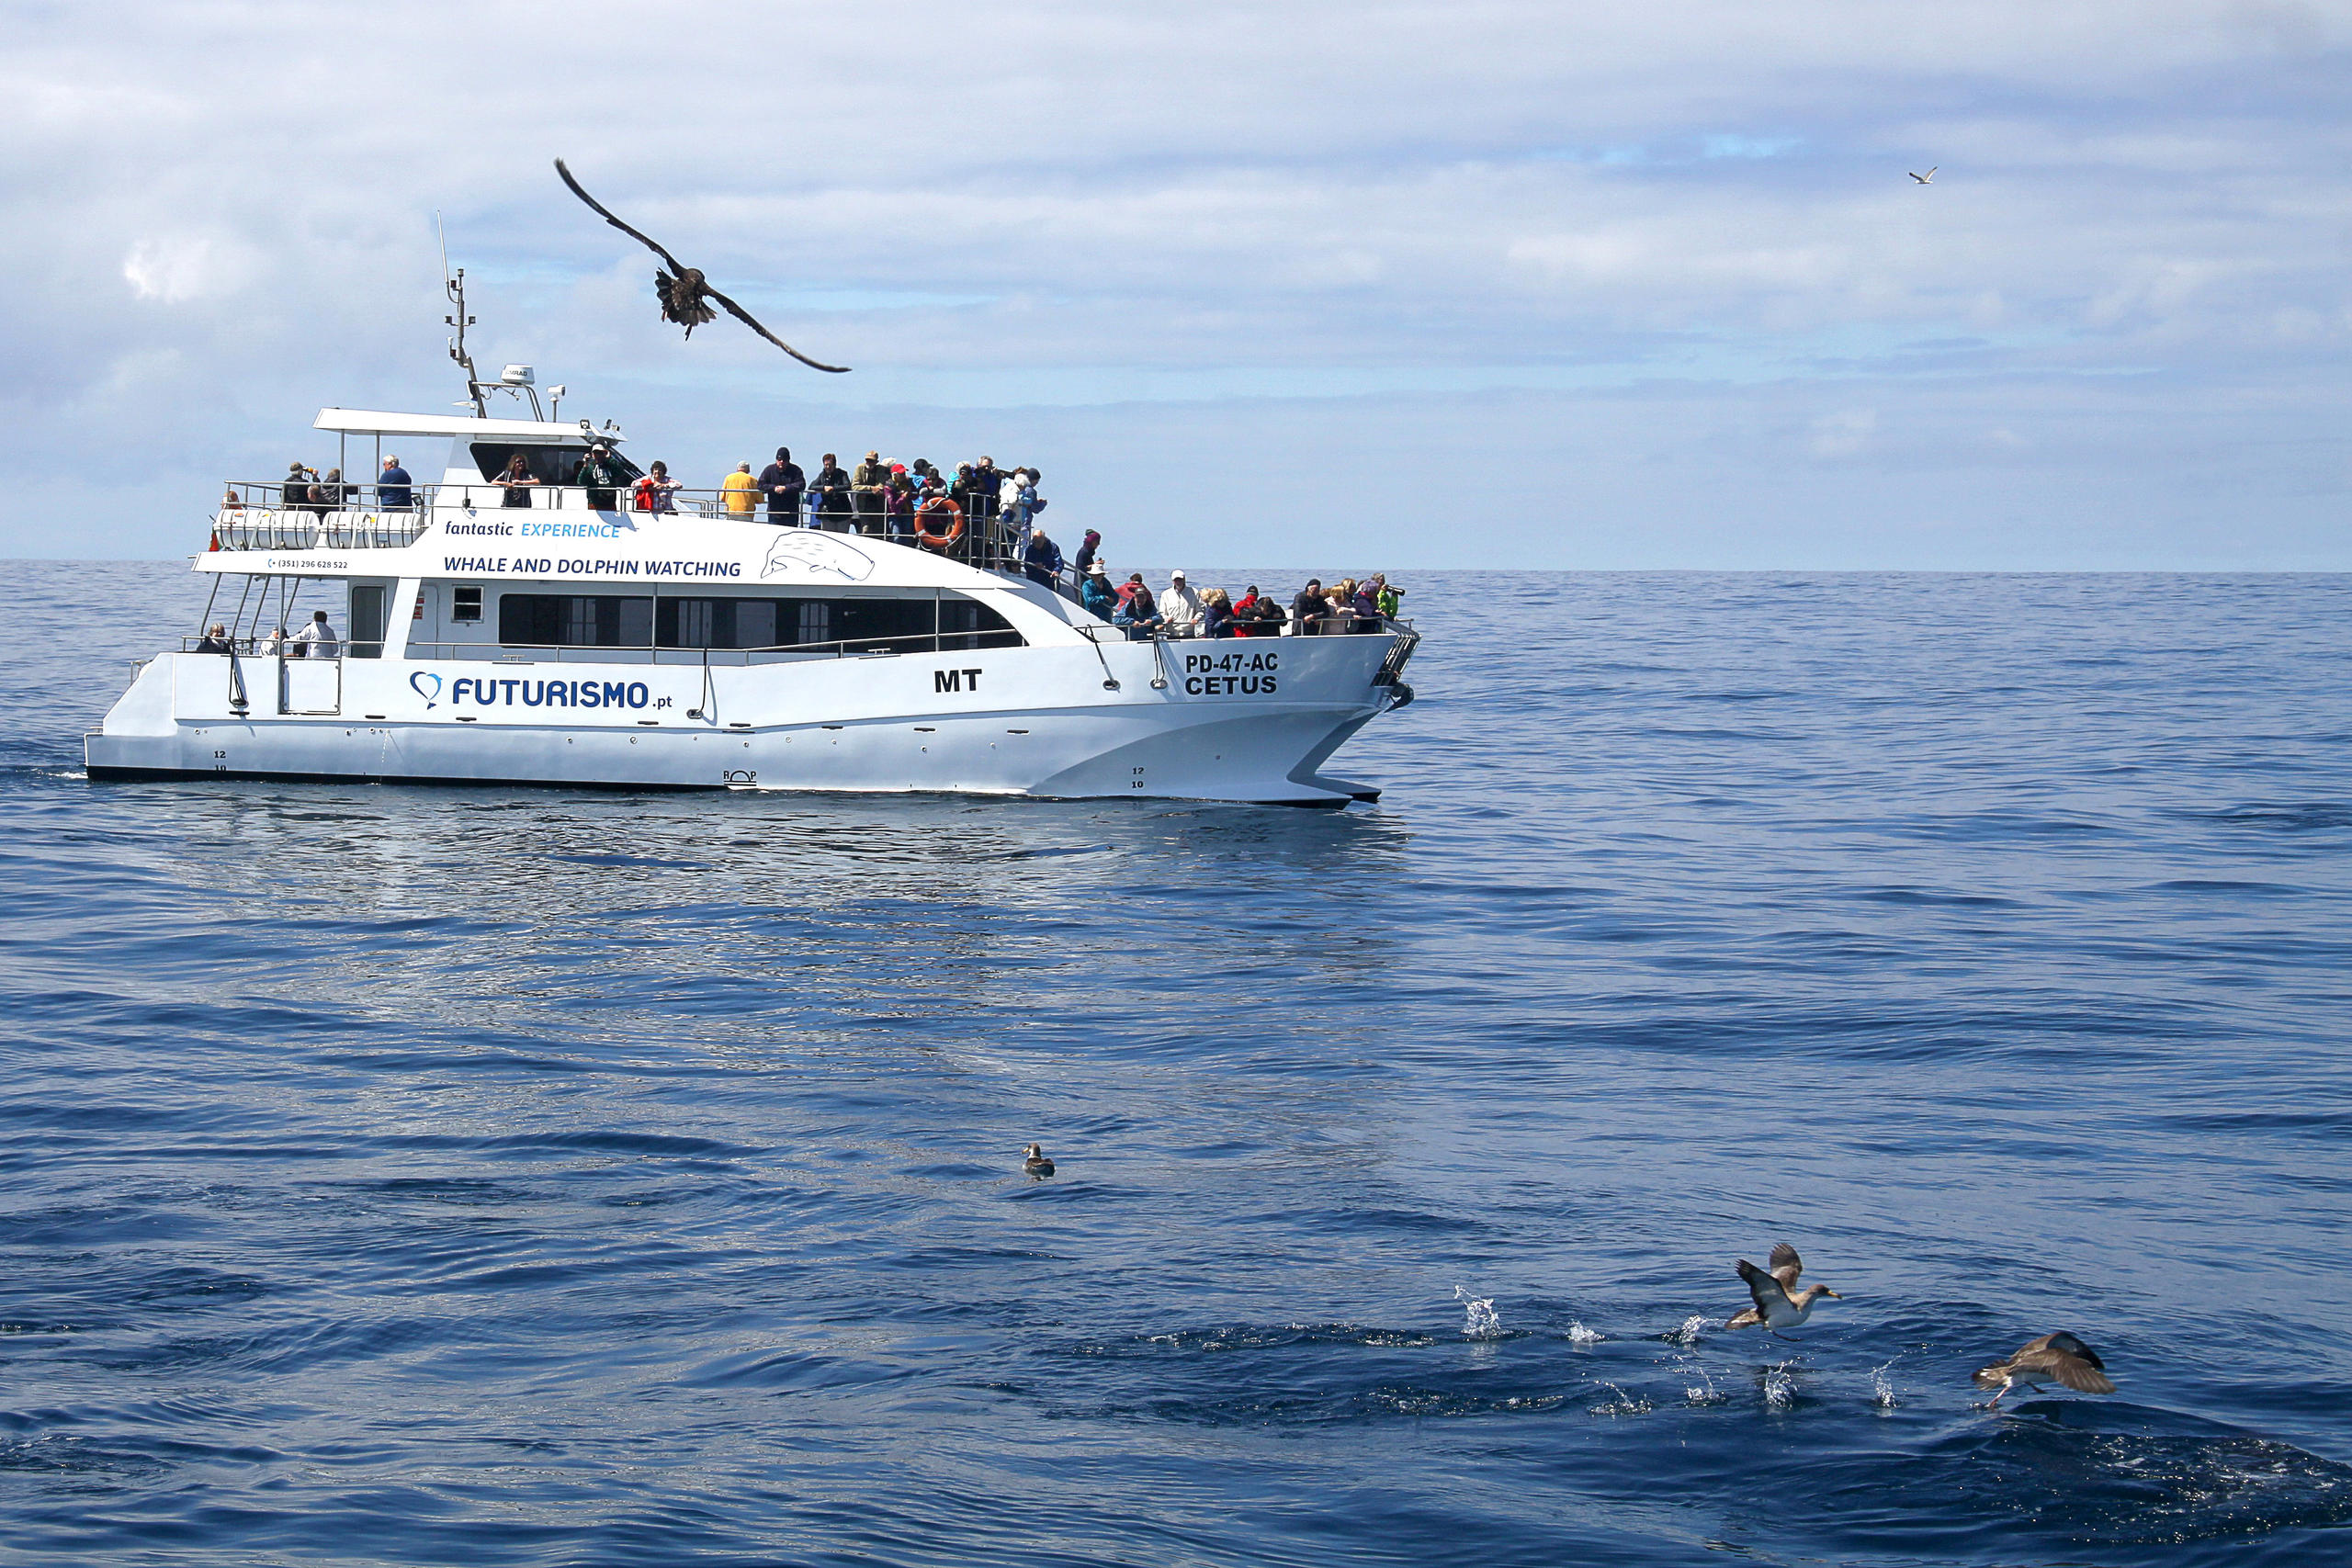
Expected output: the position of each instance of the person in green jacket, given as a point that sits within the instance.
(1390, 595)
(602, 476)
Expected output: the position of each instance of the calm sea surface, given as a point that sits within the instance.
(432, 1176)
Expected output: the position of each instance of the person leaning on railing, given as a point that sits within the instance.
(830, 489)
(656, 490)
(216, 641)
(1266, 618)
(1138, 613)
(1042, 562)
(1216, 614)
(1307, 611)
(782, 482)
(329, 494)
(516, 480)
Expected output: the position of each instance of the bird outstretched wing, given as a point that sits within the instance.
(1768, 1292)
(2066, 1359)
(1786, 1265)
(685, 312)
(599, 207)
(744, 316)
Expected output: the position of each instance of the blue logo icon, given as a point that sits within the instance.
(417, 685)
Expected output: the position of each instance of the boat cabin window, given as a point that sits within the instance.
(367, 619)
(611, 620)
(549, 465)
(465, 603)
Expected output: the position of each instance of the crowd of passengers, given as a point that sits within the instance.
(1181, 610)
(914, 504)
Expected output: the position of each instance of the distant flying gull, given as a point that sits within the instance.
(683, 289)
(1779, 1304)
(2054, 1358)
(1927, 179)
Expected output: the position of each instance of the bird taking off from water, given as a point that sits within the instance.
(1779, 1302)
(1034, 1162)
(1927, 179)
(2054, 1358)
(683, 290)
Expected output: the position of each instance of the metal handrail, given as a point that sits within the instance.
(258, 647)
(1105, 631)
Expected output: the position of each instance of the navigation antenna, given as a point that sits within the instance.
(454, 284)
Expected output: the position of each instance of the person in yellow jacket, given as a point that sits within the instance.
(740, 490)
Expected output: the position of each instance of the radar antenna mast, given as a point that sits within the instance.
(454, 285)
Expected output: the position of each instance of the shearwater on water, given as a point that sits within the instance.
(646, 636)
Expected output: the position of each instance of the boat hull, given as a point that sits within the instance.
(1245, 720)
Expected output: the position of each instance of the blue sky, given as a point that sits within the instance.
(1497, 285)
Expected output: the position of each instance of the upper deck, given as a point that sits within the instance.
(553, 526)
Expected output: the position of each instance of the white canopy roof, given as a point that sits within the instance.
(367, 421)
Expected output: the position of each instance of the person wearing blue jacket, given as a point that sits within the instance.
(392, 492)
(1042, 562)
(1096, 595)
(1138, 613)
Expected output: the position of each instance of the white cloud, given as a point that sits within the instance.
(176, 268)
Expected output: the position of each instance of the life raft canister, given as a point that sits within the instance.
(937, 507)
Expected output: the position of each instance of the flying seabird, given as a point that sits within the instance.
(1779, 1304)
(2054, 1358)
(683, 289)
(1927, 179)
(1034, 1162)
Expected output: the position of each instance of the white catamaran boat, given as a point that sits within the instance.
(618, 636)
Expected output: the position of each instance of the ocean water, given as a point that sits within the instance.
(431, 1176)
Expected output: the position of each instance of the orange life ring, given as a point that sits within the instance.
(932, 508)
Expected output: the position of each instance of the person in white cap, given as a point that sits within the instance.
(1179, 608)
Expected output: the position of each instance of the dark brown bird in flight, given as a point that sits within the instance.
(2054, 1358)
(683, 290)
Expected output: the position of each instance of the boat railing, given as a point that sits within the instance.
(286, 515)
(986, 538)
(262, 646)
(1331, 626)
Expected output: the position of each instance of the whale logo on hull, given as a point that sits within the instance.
(417, 684)
(819, 554)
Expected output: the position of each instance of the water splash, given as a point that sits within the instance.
(1701, 1392)
(1481, 1321)
(1623, 1404)
(1692, 1326)
(1578, 1335)
(1882, 1387)
(1779, 1387)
